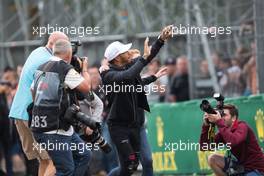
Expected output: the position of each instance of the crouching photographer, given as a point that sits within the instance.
(245, 156)
(54, 110)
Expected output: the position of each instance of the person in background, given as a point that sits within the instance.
(216, 57)
(203, 89)
(243, 55)
(250, 73)
(235, 83)
(180, 84)
(222, 74)
(171, 72)
(204, 70)
(7, 139)
(156, 90)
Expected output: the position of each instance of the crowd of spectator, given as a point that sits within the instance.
(236, 76)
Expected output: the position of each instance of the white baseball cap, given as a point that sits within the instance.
(116, 48)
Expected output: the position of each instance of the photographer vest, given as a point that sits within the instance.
(50, 97)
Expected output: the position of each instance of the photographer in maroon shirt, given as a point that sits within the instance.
(241, 138)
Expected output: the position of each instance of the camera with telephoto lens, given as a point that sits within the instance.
(206, 106)
(73, 115)
(74, 61)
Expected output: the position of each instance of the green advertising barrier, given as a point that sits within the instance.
(174, 132)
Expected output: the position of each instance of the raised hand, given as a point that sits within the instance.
(166, 33)
(162, 72)
(147, 49)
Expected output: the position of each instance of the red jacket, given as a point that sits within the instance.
(243, 142)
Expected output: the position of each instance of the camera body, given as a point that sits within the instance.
(73, 115)
(74, 61)
(206, 106)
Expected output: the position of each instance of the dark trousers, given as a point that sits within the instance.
(68, 153)
(127, 142)
(145, 156)
(110, 159)
(6, 144)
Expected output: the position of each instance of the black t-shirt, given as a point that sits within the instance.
(180, 87)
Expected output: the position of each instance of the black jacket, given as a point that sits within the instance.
(124, 103)
(180, 87)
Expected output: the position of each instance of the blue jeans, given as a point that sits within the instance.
(68, 153)
(145, 156)
(253, 173)
(110, 159)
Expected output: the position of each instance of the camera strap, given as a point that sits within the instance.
(211, 133)
(36, 84)
(76, 99)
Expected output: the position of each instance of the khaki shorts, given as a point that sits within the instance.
(29, 143)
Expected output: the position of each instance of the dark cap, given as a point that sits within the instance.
(170, 61)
